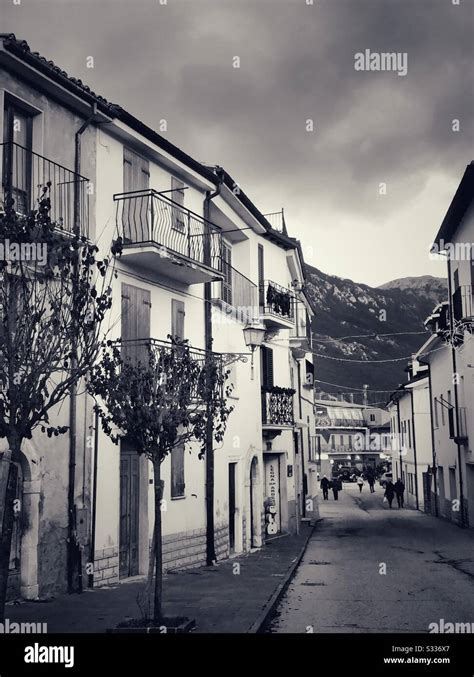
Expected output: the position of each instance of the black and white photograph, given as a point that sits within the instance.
(237, 336)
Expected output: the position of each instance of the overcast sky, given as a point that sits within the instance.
(175, 61)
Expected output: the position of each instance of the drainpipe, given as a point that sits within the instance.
(456, 399)
(94, 498)
(414, 449)
(74, 556)
(208, 338)
(433, 441)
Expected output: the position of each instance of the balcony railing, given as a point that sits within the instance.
(165, 356)
(277, 406)
(276, 300)
(238, 293)
(148, 217)
(463, 307)
(24, 176)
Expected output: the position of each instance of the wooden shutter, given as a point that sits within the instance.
(267, 367)
(261, 276)
(177, 318)
(177, 471)
(136, 177)
(227, 270)
(177, 195)
(136, 306)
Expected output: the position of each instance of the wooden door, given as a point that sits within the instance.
(137, 207)
(232, 467)
(129, 513)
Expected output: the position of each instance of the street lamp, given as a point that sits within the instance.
(253, 336)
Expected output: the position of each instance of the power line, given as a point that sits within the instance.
(374, 335)
(394, 359)
(370, 390)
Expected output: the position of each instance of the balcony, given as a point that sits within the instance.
(236, 295)
(24, 176)
(163, 236)
(165, 356)
(277, 306)
(462, 304)
(277, 410)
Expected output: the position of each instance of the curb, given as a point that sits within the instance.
(258, 625)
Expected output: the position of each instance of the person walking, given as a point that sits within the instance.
(399, 489)
(360, 483)
(336, 487)
(389, 493)
(325, 487)
(371, 481)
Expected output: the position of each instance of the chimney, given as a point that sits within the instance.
(366, 388)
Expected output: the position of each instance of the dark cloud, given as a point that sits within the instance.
(174, 61)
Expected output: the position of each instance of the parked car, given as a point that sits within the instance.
(386, 477)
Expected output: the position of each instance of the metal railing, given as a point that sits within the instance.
(238, 293)
(24, 176)
(168, 359)
(277, 406)
(276, 300)
(149, 217)
(462, 303)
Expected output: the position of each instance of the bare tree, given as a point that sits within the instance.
(54, 293)
(153, 394)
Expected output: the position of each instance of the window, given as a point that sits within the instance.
(177, 318)
(17, 132)
(442, 410)
(372, 417)
(409, 433)
(177, 472)
(261, 276)
(177, 212)
(341, 440)
(435, 409)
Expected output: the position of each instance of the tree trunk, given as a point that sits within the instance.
(8, 479)
(158, 554)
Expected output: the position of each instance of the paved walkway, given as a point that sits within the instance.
(220, 598)
(369, 569)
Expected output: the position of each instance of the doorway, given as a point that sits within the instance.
(232, 505)
(129, 513)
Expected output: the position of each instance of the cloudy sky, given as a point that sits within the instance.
(175, 61)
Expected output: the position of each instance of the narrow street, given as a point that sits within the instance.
(339, 588)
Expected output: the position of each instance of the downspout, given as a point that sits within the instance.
(208, 338)
(414, 449)
(433, 441)
(456, 401)
(94, 499)
(73, 560)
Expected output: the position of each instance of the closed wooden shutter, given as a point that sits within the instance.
(227, 270)
(177, 195)
(177, 472)
(267, 367)
(177, 318)
(136, 306)
(136, 219)
(261, 276)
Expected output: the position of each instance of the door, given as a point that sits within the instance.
(136, 308)
(14, 567)
(17, 134)
(232, 502)
(129, 513)
(272, 486)
(227, 270)
(261, 277)
(137, 216)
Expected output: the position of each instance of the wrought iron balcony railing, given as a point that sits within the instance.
(25, 174)
(463, 306)
(148, 217)
(167, 358)
(277, 406)
(276, 300)
(238, 293)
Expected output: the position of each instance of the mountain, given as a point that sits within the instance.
(365, 314)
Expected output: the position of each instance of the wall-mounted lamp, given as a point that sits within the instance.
(253, 336)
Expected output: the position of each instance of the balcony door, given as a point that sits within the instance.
(136, 309)
(137, 208)
(17, 136)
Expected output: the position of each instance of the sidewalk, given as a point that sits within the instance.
(217, 598)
